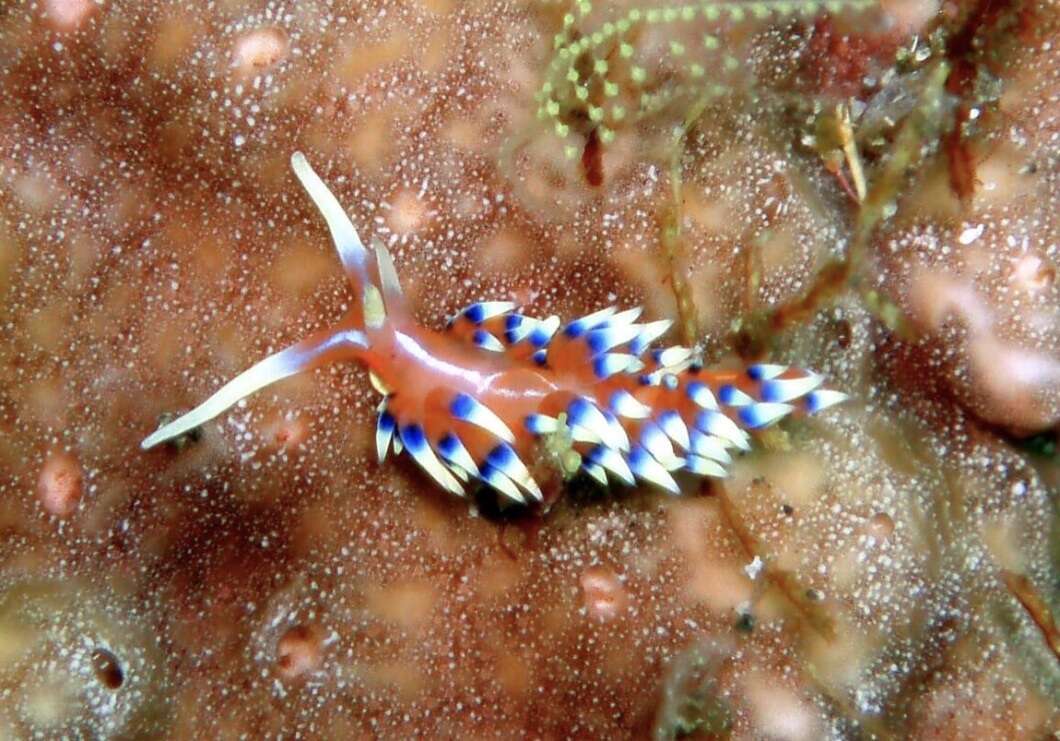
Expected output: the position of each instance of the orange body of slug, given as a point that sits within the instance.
(472, 402)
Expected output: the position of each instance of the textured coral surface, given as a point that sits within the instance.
(873, 194)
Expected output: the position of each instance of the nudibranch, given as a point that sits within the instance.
(478, 400)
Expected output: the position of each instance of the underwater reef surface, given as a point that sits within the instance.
(871, 192)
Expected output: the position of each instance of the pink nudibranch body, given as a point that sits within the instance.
(472, 402)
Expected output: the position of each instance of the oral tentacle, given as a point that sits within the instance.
(317, 350)
(348, 243)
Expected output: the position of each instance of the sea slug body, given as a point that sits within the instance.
(471, 403)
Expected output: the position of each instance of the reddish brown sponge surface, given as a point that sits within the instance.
(884, 569)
